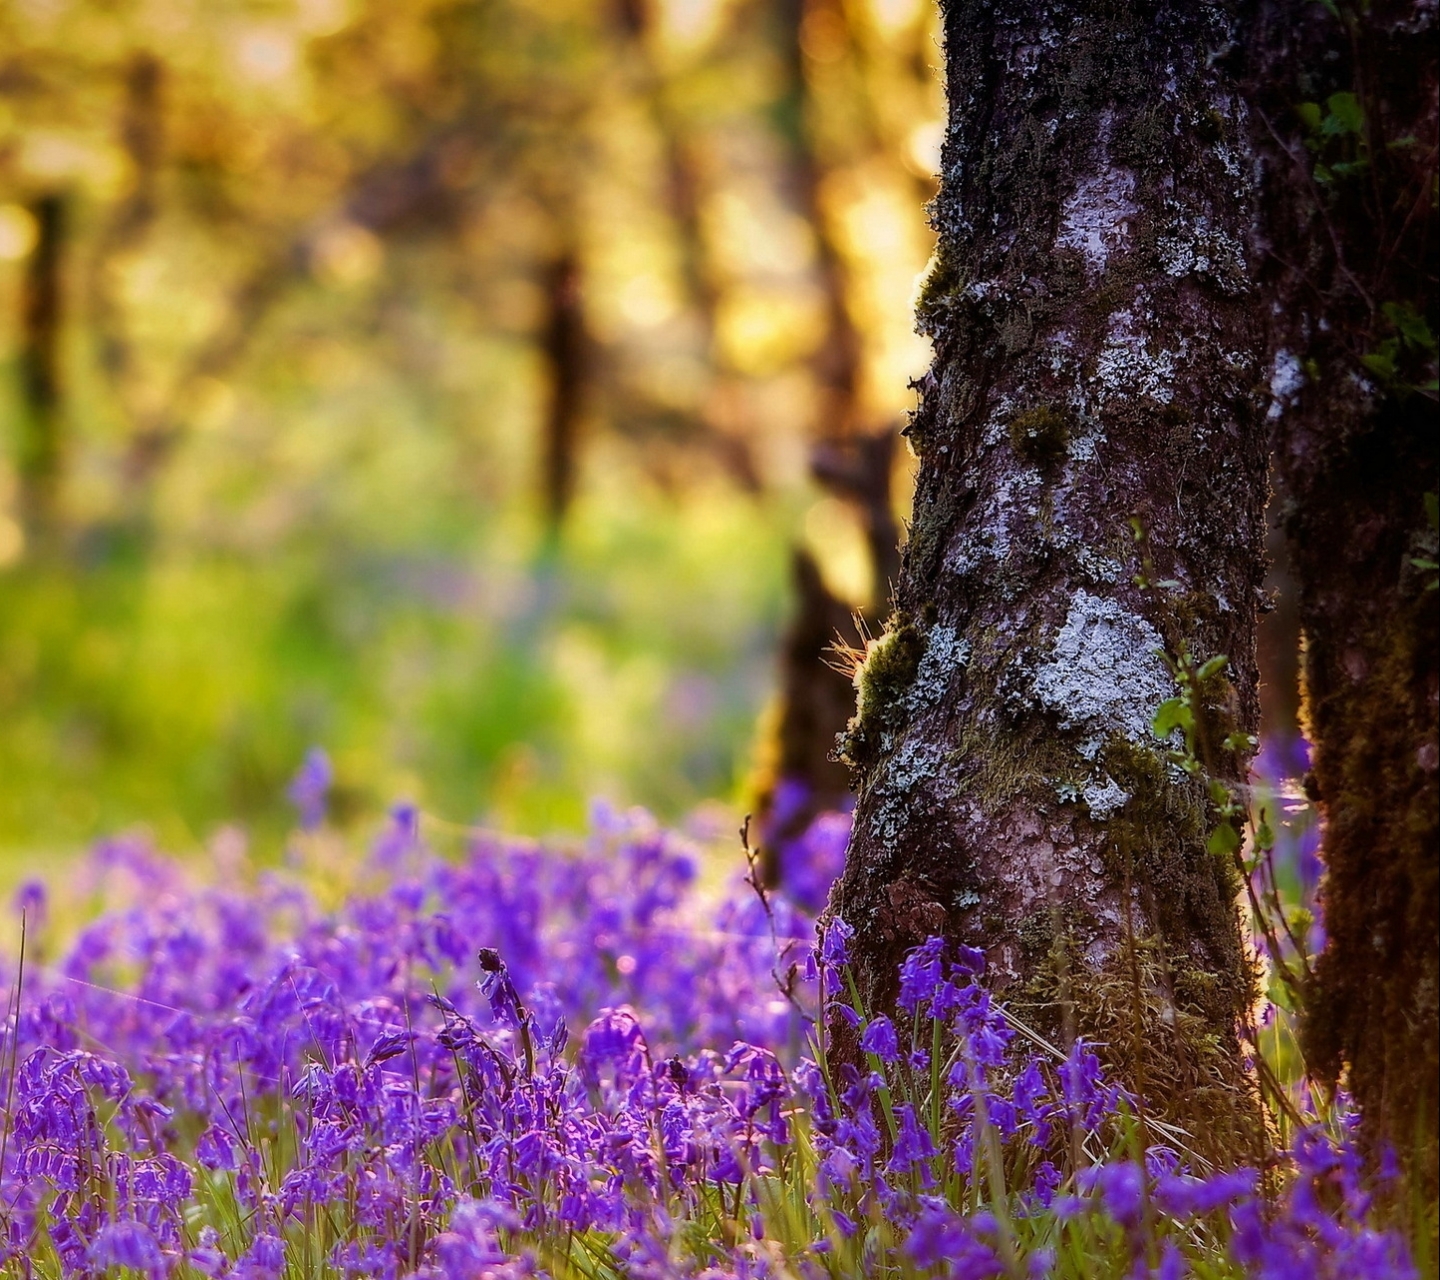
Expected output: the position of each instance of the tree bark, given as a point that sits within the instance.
(1098, 358)
(1344, 116)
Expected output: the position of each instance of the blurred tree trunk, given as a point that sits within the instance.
(851, 461)
(565, 346)
(42, 446)
(1344, 114)
(142, 137)
(1098, 357)
(717, 426)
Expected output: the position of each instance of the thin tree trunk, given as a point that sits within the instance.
(42, 313)
(1097, 359)
(564, 343)
(1345, 117)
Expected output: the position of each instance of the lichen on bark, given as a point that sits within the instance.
(1097, 358)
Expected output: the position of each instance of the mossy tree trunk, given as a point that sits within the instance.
(1344, 114)
(1097, 358)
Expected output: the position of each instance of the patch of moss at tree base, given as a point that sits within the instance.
(1162, 1047)
(1158, 839)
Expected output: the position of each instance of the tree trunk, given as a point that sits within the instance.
(1097, 359)
(801, 776)
(1345, 118)
(565, 345)
(42, 305)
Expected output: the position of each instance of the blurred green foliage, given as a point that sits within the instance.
(278, 375)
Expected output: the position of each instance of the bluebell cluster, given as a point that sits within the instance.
(529, 1062)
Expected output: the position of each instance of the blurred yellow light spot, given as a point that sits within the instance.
(53, 157)
(762, 332)
(753, 234)
(323, 17)
(922, 148)
(893, 16)
(645, 301)
(347, 254)
(833, 535)
(875, 226)
(266, 54)
(12, 540)
(17, 232)
(691, 22)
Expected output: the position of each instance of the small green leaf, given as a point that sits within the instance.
(1432, 510)
(1346, 114)
(1172, 714)
(1224, 840)
(1264, 836)
(1381, 363)
(1413, 327)
(1219, 792)
(1349, 168)
(1420, 562)
(1310, 115)
(1323, 175)
(1212, 667)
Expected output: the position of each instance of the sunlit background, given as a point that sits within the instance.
(435, 382)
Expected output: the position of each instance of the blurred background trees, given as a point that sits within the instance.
(442, 383)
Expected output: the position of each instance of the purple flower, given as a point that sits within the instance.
(499, 990)
(879, 1038)
(941, 1237)
(614, 1040)
(1121, 1188)
(913, 1145)
(127, 1244)
(310, 786)
(834, 952)
(30, 904)
(1183, 1196)
(1046, 1182)
(921, 973)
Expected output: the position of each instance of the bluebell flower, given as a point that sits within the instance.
(879, 1038)
(310, 787)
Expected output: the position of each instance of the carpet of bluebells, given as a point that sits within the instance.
(525, 1061)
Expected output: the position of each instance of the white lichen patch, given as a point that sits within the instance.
(988, 543)
(903, 776)
(1127, 367)
(1104, 796)
(946, 652)
(1095, 219)
(1195, 244)
(1287, 377)
(1104, 673)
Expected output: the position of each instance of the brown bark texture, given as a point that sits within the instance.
(1344, 117)
(1098, 358)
